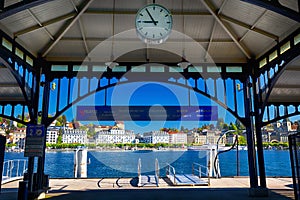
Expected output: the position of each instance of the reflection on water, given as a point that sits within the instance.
(124, 164)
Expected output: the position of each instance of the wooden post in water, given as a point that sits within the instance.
(80, 163)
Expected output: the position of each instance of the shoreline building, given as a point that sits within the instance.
(177, 138)
(52, 135)
(114, 136)
(207, 137)
(155, 137)
(18, 134)
(70, 136)
(19, 137)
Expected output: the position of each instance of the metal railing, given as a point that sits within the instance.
(171, 173)
(201, 171)
(157, 168)
(13, 170)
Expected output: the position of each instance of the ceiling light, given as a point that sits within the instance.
(184, 64)
(112, 64)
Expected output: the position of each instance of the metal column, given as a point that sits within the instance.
(41, 160)
(250, 135)
(259, 143)
(2, 151)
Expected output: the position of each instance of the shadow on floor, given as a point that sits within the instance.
(166, 194)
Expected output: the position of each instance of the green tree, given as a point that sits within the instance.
(8, 122)
(233, 127)
(205, 126)
(64, 120)
(91, 133)
(242, 140)
(220, 123)
(182, 128)
(84, 128)
(58, 123)
(240, 126)
(225, 126)
(39, 119)
(19, 125)
(59, 139)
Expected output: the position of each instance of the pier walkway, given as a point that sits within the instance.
(126, 188)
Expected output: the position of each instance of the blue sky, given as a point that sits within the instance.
(147, 94)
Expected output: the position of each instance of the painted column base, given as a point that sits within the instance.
(259, 192)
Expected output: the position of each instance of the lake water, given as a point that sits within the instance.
(124, 163)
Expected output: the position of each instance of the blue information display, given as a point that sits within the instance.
(147, 113)
(35, 136)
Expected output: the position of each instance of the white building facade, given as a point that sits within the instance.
(18, 135)
(74, 136)
(155, 137)
(177, 138)
(52, 135)
(115, 136)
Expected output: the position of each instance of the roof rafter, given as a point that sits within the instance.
(255, 24)
(83, 37)
(277, 7)
(47, 23)
(211, 39)
(63, 31)
(213, 30)
(93, 11)
(134, 40)
(292, 69)
(81, 29)
(40, 24)
(279, 86)
(249, 27)
(211, 8)
(9, 85)
(18, 7)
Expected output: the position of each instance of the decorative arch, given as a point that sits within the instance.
(23, 88)
(80, 98)
(271, 66)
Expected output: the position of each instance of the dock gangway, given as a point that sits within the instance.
(148, 180)
(199, 176)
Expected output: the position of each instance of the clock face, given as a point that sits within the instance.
(153, 23)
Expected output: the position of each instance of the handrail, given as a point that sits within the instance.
(13, 169)
(168, 172)
(157, 168)
(196, 167)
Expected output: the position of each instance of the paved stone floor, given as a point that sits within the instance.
(125, 188)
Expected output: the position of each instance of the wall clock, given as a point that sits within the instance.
(153, 24)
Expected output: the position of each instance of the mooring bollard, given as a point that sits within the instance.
(80, 163)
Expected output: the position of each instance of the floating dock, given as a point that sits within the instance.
(187, 179)
(148, 181)
(199, 172)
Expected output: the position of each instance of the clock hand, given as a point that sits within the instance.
(149, 21)
(151, 17)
